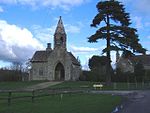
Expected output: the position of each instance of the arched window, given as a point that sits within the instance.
(61, 40)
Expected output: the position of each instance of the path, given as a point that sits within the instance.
(42, 85)
(138, 103)
(134, 101)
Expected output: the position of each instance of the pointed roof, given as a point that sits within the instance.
(60, 27)
(40, 56)
(73, 59)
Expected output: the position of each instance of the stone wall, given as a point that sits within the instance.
(39, 71)
(76, 71)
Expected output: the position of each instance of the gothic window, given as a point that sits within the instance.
(61, 39)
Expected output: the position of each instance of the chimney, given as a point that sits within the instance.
(48, 47)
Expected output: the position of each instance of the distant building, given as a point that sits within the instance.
(126, 64)
(55, 64)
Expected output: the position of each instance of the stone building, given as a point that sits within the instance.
(126, 64)
(57, 63)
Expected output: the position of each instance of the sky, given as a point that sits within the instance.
(28, 25)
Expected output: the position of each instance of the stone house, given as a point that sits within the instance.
(57, 63)
(126, 64)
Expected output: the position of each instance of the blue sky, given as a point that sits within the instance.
(28, 25)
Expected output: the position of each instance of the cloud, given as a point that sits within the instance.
(1, 9)
(43, 34)
(148, 37)
(138, 5)
(72, 29)
(8, 1)
(148, 52)
(83, 49)
(46, 34)
(143, 5)
(138, 22)
(147, 24)
(16, 44)
(65, 4)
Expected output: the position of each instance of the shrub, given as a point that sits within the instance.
(10, 75)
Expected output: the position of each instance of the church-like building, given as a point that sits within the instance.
(57, 63)
(127, 63)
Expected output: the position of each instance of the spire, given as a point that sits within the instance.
(60, 35)
(60, 27)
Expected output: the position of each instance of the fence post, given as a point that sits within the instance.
(32, 96)
(9, 98)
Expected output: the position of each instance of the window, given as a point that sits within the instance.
(41, 72)
(61, 39)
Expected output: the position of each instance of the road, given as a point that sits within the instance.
(137, 103)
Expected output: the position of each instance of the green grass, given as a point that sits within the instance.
(74, 103)
(113, 86)
(76, 84)
(17, 85)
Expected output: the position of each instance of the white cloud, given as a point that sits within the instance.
(8, 1)
(46, 34)
(138, 5)
(1, 9)
(138, 22)
(65, 4)
(143, 5)
(16, 44)
(83, 49)
(72, 28)
(43, 34)
(148, 52)
(147, 24)
(148, 37)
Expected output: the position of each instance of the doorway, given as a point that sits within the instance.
(59, 72)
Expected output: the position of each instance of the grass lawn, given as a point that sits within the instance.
(76, 85)
(74, 103)
(69, 103)
(113, 86)
(17, 85)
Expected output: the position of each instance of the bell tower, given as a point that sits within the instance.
(60, 35)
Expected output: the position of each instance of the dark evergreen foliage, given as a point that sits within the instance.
(122, 37)
(97, 61)
(116, 30)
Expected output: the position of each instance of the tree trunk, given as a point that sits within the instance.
(108, 68)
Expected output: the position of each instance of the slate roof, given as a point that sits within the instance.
(73, 59)
(42, 56)
(144, 59)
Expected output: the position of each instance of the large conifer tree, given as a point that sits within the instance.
(113, 25)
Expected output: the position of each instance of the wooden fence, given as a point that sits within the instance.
(34, 94)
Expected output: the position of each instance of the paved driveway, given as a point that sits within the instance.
(138, 103)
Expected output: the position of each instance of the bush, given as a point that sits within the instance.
(92, 76)
(10, 75)
(123, 77)
(147, 75)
